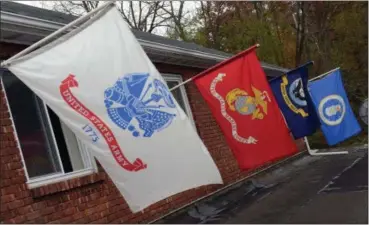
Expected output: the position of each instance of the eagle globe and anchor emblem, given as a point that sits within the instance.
(140, 104)
(254, 104)
(240, 101)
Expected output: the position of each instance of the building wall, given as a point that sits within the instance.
(94, 198)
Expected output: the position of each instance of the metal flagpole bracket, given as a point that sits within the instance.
(293, 70)
(314, 152)
(36, 45)
(178, 85)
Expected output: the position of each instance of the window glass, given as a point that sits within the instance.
(38, 150)
(48, 145)
(177, 94)
(74, 155)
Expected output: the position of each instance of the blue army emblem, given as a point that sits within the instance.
(140, 104)
(332, 110)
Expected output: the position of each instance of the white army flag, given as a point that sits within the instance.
(98, 76)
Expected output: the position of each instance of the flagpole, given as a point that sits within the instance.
(216, 66)
(7, 62)
(324, 74)
(303, 65)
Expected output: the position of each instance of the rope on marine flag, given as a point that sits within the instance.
(219, 78)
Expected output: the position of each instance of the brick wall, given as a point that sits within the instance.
(94, 198)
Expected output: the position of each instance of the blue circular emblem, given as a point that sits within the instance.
(297, 93)
(332, 109)
(140, 104)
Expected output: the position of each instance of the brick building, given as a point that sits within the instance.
(47, 175)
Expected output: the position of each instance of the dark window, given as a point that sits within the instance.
(48, 146)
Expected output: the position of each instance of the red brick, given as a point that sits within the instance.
(54, 216)
(22, 194)
(25, 210)
(66, 220)
(100, 221)
(27, 201)
(40, 220)
(4, 114)
(92, 203)
(18, 219)
(47, 211)
(5, 122)
(104, 213)
(112, 217)
(90, 211)
(83, 220)
(7, 149)
(82, 207)
(94, 217)
(100, 208)
(7, 198)
(5, 183)
(9, 215)
(32, 215)
(15, 204)
(69, 211)
(7, 129)
(4, 208)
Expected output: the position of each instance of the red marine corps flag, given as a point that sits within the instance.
(243, 104)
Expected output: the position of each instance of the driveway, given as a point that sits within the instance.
(310, 189)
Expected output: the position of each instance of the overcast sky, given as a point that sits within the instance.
(34, 3)
(189, 5)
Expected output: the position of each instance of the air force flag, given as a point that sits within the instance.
(294, 101)
(338, 122)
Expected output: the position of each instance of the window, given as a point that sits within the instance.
(179, 93)
(50, 150)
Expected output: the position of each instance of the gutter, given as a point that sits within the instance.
(32, 22)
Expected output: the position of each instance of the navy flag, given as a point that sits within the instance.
(338, 121)
(293, 99)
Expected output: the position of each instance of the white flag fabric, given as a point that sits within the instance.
(99, 77)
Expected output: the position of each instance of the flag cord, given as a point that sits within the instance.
(324, 74)
(7, 62)
(216, 66)
(232, 184)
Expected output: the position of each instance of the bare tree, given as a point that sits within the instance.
(76, 8)
(300, 30)
(145, 16)
(141, 15)
(179, 20)
(212, 16)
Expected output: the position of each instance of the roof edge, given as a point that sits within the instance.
(38, 23)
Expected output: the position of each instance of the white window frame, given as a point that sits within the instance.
(179, 79)
(59, 176)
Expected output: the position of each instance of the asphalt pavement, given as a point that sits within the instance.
(310, 189)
